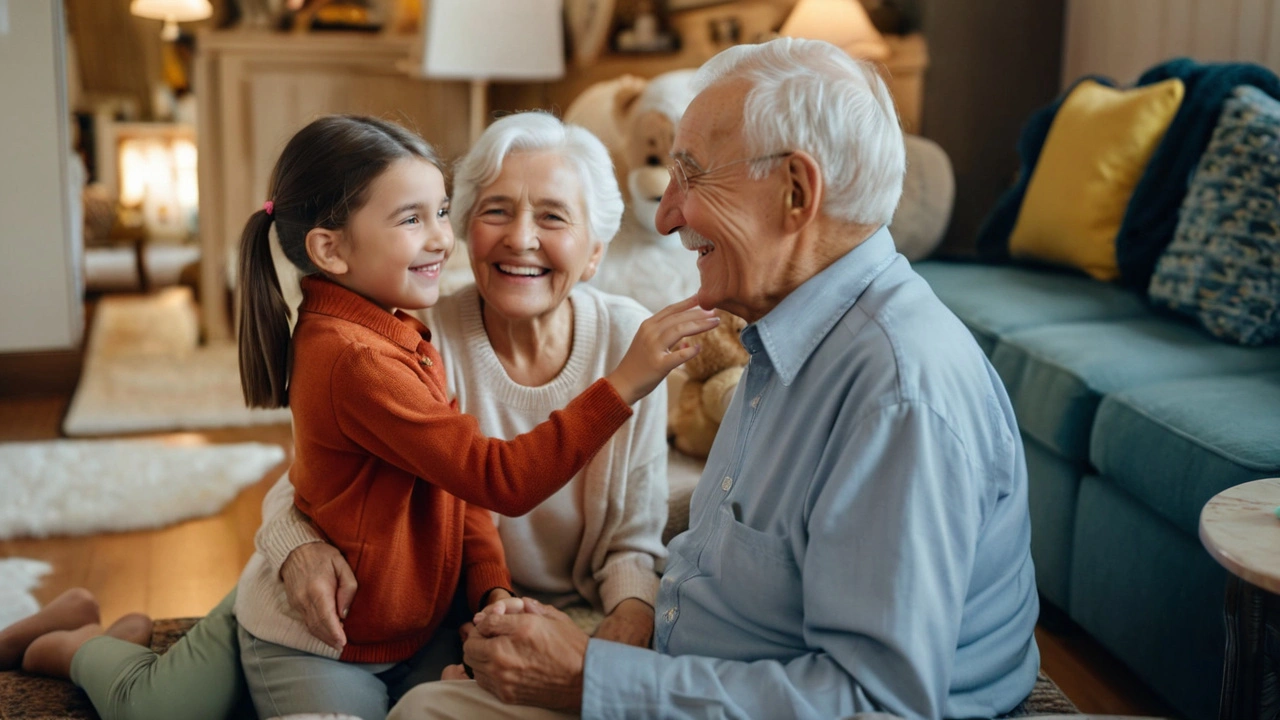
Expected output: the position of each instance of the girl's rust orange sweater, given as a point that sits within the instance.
(399, 480)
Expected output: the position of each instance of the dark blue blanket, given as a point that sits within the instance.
(1152, 213)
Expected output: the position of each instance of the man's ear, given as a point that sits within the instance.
(327, 250)
(593, 264)
(804, 190)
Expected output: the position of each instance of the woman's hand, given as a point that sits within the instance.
(657, 348)
(317, 582)
(630, 623)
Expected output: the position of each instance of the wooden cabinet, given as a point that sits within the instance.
(255, 89)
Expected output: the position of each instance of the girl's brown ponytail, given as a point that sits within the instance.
(264, 320)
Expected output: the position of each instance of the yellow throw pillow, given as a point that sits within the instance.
(1094, 155)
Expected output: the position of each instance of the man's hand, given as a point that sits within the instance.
(533, 657)
(630, 623)
(318, 581)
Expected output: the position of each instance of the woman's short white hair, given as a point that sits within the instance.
(540, 132)
(809, 95)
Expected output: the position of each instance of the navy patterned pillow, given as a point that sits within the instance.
(1223, 265)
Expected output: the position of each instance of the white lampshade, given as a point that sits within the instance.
(171, 12)
(494, 40)
(843, 23)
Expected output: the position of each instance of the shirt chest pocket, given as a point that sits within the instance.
(761, 579)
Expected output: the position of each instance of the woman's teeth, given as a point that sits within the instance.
(522, 270)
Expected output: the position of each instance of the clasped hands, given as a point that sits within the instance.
(525, 653)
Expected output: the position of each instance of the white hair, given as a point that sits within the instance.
(809, 95)
(540, 132)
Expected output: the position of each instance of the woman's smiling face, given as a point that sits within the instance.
(529, 237)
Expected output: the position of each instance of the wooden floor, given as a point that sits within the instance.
(185, 569)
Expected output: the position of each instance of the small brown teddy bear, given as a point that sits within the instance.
(710, 379)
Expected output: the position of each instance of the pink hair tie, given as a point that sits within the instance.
(268, 206)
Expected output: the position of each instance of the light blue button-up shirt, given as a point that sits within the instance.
(859, 540)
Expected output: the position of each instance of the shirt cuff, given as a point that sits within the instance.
(620, 680)
(483, 577)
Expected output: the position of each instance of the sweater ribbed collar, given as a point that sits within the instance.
(325, 297)
(484, 362)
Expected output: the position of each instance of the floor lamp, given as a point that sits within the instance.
(485, 40)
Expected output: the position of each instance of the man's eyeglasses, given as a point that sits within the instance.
(682, 177)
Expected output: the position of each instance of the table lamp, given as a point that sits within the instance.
(171, 12)
(484, 40)
(843, 23)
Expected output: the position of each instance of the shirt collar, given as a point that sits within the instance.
(792, 331)
(325, 297)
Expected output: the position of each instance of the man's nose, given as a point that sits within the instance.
(669, 217)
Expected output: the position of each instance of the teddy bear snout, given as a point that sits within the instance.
(651, 182)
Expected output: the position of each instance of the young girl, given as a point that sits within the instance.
(386, 467)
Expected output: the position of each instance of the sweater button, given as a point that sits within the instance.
(425, 361)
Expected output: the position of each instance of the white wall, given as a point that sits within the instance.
(40, 285)
(1121, 38)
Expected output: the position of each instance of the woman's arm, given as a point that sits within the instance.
(630, 623)
(630, 551)
(283, 528)
(317, 579)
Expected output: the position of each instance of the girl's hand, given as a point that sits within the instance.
(454, 672)
(508, 606)
(657, 348)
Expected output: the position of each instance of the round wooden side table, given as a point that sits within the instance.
(1239, 528)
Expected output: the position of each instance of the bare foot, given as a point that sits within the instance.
(134, 628)
(51, 653)
(72, 609)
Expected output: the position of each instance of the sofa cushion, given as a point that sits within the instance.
(1056, 375)
(1097, 149)
(992, 300)
(1223, 266)
(1174, 445)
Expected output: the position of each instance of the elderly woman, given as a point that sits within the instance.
(537, 200)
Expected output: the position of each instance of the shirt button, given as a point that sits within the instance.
(755, 401)
(726, 483)
(671, 615)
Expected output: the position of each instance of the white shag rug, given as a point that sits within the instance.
(79, 487)
(17, 578)
(145, 371)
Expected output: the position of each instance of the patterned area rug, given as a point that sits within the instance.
(145, 371)
(77, 487)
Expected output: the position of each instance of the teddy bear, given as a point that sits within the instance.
(706, 384)
(636, 120)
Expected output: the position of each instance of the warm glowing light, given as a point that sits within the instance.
(158, 178)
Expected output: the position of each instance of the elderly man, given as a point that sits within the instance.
(859, 540)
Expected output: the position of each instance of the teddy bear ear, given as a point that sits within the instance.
(629, 89)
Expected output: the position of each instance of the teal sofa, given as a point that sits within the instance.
(1131, 421)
